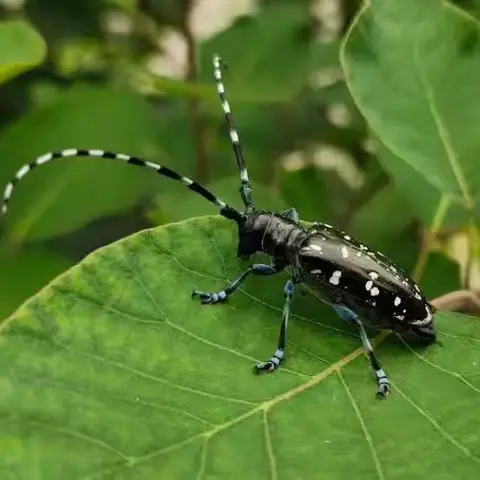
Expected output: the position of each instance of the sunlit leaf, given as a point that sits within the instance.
(413, 70)
(113, 371)
(21, 48)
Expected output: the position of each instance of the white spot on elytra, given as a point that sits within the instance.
(344, 252)
(347, 237)
(374, 291)
(373, 275)
(416, 287)
(316, 271)
(363, 247)
(369, 285)
(400, 317)
(335, 278)
(397, 301)
(417, 296)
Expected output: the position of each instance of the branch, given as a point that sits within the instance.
(462, 301)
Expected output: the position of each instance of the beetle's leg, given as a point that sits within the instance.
(291, 213)
(350, 316)
(382, 379)
(273, 362)
(256, 269)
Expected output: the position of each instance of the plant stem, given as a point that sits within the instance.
(194, 111)
(442, 209)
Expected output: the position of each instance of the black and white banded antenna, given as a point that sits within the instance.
(225, 209)
(245, 188)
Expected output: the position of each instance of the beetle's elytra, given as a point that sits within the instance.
(362, 286)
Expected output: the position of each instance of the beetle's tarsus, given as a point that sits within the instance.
(383, 390)
(272, 363)
(383, 384)
(209, 298)
(268, 367)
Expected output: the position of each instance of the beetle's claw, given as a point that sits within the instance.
(208, 298)
(383, 390)
(268, 367)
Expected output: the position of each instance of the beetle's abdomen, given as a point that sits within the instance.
(344, 271)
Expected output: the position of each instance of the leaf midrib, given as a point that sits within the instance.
(265, 406)
(442, 131)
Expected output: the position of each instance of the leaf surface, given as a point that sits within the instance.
(21, 48)
(113, 371)
(413, 70)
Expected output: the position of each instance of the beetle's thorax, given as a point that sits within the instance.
(276, 235)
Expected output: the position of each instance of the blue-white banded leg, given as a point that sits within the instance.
(382, 379)
(273, 362)
(291, 213)
(212, 298)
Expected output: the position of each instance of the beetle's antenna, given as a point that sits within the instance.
(225, 209)
(245, 188)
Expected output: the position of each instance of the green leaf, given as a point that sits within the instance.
(253, 45)
(307, 190)
(440, 266)
(282, 29)
(113, 371)
(23, 273)
(21, 49)
(68, 193)
(413, 69)
(423, 198)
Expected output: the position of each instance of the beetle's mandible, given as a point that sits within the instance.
(362, 286)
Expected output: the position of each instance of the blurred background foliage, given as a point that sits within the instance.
(135, 76)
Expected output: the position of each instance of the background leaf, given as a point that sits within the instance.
(181, 205)
(22, 49)
(414, 82)
(113, 371)
(23, 273)
(279, 30)
(411, 184)
(66, 194)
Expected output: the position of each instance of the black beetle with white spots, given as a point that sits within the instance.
(362, 286)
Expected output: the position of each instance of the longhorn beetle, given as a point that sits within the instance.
(362, 286)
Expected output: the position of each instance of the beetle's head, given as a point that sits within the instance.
(424, 334)
(250, 234)
(251, 229)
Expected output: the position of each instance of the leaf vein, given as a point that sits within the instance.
(437, 426)
(268, 441)
(154, 378)
(363, 425)
(443, 133)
